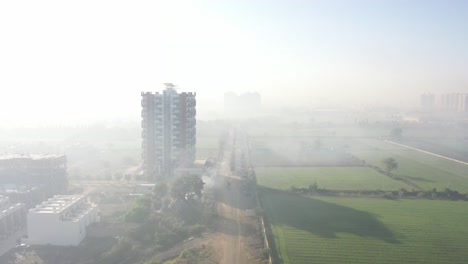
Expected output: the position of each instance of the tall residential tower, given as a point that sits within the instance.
(168, 131)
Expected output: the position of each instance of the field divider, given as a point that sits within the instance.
(263, 226)
(426, 152)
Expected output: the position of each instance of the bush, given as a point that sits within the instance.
(266, 253)
(196, 230)
(138, 214)
(389, 195)
(402, 192)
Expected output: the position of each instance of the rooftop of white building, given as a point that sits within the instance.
(56, 204)
(65, 207)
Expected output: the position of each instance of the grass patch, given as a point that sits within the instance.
(195, 255)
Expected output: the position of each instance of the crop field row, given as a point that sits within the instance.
(301, 151)
(422, 169)
(335, 178)
(268, 131)
(337, 230)
(454, 148)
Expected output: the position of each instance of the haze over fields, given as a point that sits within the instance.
(328, 131)
(68, 62)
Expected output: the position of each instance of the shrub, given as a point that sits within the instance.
(389, 195)
(265, 253)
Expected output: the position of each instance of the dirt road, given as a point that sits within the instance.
(235, 226)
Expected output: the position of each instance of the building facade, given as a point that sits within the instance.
(454, 102)
(12, 217)
(28, 171)
(60, 221)
(168, 131)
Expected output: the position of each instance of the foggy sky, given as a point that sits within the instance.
(87, 60)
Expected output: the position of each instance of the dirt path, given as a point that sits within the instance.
(232, 216)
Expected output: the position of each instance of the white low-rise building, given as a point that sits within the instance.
(61, 221)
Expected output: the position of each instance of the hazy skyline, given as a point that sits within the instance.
(89, 60)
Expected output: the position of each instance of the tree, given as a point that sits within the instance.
(396, 133)
(187, 187)
(140, 212)
(160, 190)
(390, 164)
(314, 187)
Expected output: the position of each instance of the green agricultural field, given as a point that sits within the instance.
(264, 131)
(424, 170)
(339, 230)
(452, 147)
(336, 178)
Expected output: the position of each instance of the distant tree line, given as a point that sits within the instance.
(434, 194)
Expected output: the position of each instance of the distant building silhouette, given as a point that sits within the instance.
(168, 131)
(454, 102)
(32, 178)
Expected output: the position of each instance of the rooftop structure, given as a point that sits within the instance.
(168, 131)
(61, 220)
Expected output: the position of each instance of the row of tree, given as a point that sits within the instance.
(434, 194)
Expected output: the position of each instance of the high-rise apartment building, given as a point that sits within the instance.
(454, 102)
(168, 131)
